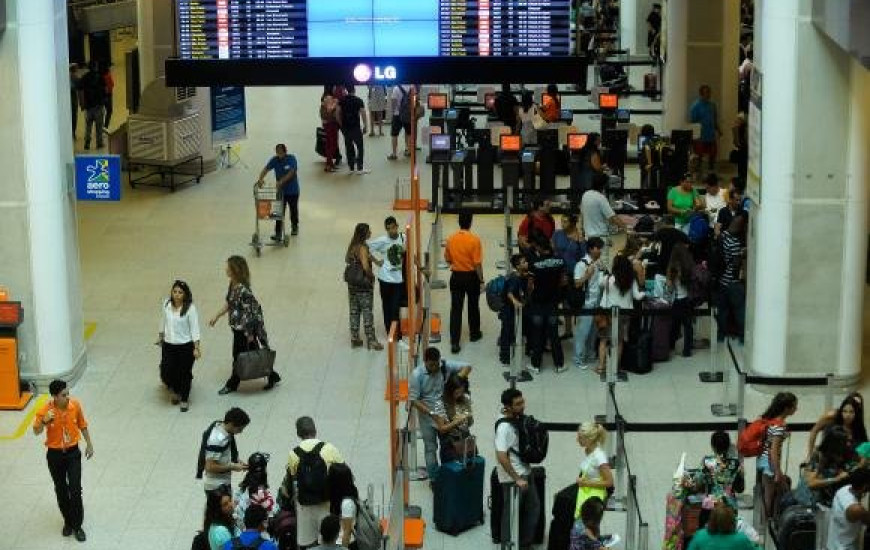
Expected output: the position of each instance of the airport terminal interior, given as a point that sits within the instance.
(107, 268)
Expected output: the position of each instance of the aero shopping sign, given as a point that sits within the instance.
(363, 73)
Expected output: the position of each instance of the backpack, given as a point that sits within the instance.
(699, 228)
(367, 528)
(533, 436)
(200, 541)
(236, 543)
(203, 447)
(576, 297)
(311, 476)
(751, 439)
(496, 293)
(405, 108)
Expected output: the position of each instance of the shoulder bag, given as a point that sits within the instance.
(255, 363)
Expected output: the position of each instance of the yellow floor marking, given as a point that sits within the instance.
(28, 420)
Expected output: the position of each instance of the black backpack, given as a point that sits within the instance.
(311, 476)
(237, 543)
(533, 436)
(200, 541)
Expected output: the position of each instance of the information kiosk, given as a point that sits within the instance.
(510, 146)
(576, 142)
(11, 396)
(439, 154)
(608, 104)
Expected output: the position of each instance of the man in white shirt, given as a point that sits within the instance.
(512, 470)
(588, 273)
(714, 198)
(219, 465)
(397, 126)
(848, 515)
(426, 387)
(389, 253)
(597, 213)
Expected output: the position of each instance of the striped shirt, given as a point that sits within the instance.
(732, 251)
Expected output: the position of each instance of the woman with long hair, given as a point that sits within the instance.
(179, 342)
(827, 470)
(245, 316)
(620, 290)
(526, 117)
(590, 159)
(361, 293)
(343, 501)
(454, 418)
(769, 463)
(254, 489)
(218, 523)
(631, 250)
(849, 415)
(679, 281)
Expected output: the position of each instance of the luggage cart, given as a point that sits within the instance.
(268, 205)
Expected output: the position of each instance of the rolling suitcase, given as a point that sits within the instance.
(637, 353)
(564, 504)
(797, 529)
(539, 480)
(458, 495)
(650, 84)
(660, 330)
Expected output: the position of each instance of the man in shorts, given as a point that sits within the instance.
(396, 127)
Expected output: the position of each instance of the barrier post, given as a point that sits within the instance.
(715, 373)
(409, 435)
(621, 496)
(508, 230)
(517, 355)
(643, 536)
(829, 391)
(613, 352)
(630, 516)
(436, 263)
(724, 407)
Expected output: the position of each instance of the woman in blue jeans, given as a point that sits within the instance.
(679, 280)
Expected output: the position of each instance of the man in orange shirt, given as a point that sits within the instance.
(464, 253)
(64, 424)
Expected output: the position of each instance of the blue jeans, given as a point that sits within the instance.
(584, 340)
(430, 444)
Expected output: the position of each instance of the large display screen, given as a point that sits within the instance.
(284, 29)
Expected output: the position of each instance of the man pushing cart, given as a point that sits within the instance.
(285, 193)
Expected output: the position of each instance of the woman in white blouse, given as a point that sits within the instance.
(179, 340)
(620, 290)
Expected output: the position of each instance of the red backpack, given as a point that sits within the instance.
(751, 440)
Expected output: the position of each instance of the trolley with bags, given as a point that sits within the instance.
(268, 205)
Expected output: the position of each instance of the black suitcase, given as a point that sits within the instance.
(564, 504)
(797, 529)
(637, 353)
(496, 504)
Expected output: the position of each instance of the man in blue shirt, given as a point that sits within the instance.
(252, 537)
(704, 112)
(287, 183)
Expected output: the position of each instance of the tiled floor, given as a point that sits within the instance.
(139, 489)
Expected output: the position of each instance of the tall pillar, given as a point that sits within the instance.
(808, 234)
(38, 242)
(156, 24)
(628, 25)
(675, 28)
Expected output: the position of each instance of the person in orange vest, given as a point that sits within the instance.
(63, 422)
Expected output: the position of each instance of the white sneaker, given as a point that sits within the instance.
(534, 369)
(364, 171)
(352, 172)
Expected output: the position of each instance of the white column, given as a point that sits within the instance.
(676, 102)
(55, 344)
(808, 238)
(728, 94)
(628, 25)
(145, 32)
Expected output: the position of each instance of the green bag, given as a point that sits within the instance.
(584, 494)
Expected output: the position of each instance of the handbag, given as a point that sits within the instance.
(355, 275)
(538, 121)
(255, 363)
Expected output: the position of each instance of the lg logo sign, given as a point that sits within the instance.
(363, 73)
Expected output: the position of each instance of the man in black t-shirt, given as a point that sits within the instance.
(92, 99)
(507, 107)
(350, 110)
(549, 276)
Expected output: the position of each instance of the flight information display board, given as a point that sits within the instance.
(287, 29)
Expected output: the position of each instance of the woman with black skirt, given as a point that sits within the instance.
(245, 319)
(179, 341)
